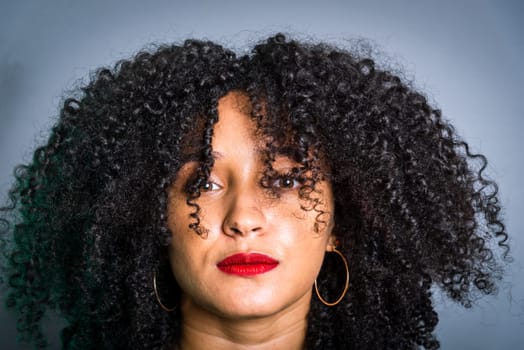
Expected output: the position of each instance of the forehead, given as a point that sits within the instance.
(234, 120)
(239, 131)
(237, 128)
(233, 126)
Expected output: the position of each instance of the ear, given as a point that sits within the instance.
(331, 243)
(332, 239)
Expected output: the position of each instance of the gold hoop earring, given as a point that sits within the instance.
(158, 298)
(345, 287)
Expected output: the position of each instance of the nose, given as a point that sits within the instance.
(244, 216)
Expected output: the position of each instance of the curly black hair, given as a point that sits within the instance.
(87, 225)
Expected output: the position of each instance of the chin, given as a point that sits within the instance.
(250, 308)
(242, 313)
(246, 308)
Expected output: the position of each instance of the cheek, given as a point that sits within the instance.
(181, 247)
(180, 252)
(189, 251)
(317, 219)
(297, 231)
(187, 258)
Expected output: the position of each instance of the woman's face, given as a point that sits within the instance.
(260, 254)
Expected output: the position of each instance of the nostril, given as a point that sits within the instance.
(239, 231)
(236, 230)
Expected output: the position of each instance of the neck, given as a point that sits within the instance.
(283, 330)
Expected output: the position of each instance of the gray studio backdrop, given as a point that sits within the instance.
(466, 55)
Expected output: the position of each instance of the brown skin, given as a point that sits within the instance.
(265, 311)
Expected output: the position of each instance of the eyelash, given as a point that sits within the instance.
(296, 180)
(204, 187)
(285, 181)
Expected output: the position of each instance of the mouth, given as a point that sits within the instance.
(247, 264)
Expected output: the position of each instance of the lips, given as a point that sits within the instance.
(247, 264)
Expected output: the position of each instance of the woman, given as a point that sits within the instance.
(292, 198)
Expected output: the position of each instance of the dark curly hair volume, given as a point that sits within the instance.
(87, 226)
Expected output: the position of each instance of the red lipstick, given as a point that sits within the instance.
(247, 264)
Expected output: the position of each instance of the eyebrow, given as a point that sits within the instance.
(216, 155)
(288, 152)
(195, 156)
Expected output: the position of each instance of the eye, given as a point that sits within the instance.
(287, 181)
(209, 186)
